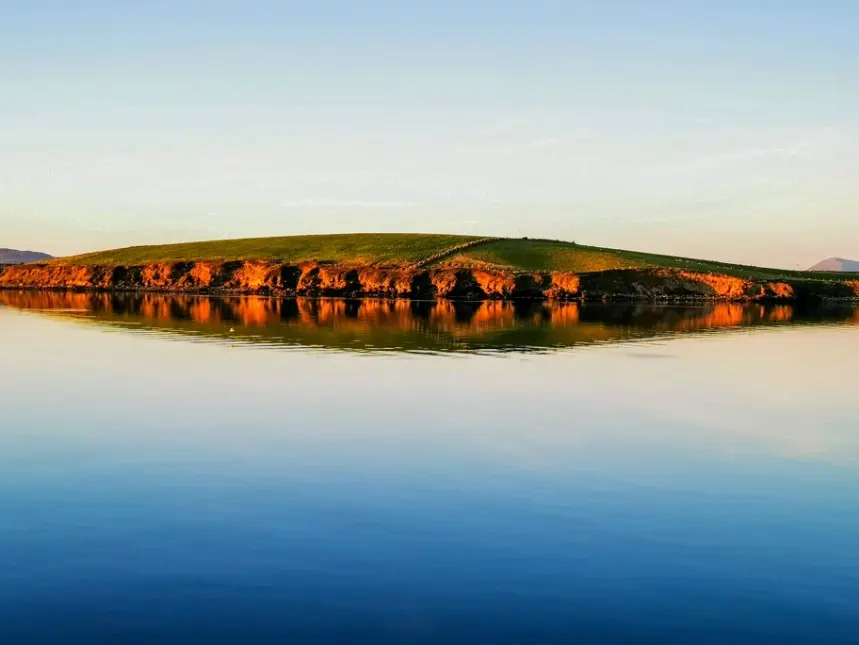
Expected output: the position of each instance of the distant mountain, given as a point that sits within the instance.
(836, 264)
(11, 256)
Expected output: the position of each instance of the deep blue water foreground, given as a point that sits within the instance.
(692, 489)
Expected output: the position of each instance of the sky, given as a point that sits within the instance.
(724, 129)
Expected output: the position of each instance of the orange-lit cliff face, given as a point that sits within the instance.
(311, 279)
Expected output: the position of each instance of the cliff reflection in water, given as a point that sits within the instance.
(400, 325)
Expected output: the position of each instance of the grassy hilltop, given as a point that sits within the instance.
(407, 249)
(388, 249)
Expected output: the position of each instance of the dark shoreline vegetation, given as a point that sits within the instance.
(367, 325)
(417, 266)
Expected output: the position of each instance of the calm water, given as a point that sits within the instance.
(187, 470)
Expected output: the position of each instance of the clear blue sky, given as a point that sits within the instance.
(724, 128)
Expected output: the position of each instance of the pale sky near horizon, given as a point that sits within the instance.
(725, 129)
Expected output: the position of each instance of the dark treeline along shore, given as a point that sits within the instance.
(423, 266)
(413, 325)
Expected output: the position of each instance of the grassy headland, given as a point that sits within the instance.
(406, 249)
(421, 266)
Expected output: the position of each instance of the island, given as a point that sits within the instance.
(422, 266)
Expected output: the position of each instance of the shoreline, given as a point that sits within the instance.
(619, 298)
(311, 279)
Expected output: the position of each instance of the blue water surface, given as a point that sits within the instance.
(158, 490)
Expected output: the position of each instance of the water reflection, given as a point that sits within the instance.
(160, 492)
(401, 325)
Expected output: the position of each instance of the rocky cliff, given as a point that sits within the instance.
(314, 279)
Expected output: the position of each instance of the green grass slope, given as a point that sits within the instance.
(549, 255)
(384, 249)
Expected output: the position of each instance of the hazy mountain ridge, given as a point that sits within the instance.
(13, 256)
(837, 264)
